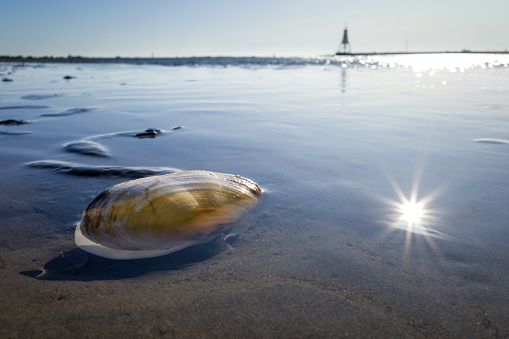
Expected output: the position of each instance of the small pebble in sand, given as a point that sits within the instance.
(148, 133)
(12, 122)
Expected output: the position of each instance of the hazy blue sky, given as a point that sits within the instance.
(261, 27)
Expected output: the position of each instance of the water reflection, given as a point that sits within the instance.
(343, 79)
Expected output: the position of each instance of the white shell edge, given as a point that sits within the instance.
(94, 248)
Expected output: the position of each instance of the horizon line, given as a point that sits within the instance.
(78, 57)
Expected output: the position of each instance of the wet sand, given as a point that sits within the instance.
(315, 259)
(270, 282)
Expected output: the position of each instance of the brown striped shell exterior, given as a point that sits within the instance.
(164, 211)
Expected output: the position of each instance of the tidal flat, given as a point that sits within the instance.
(384, 211)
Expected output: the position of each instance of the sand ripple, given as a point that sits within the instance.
(13, 132)
(39, 97)
(24, 107)
(100, 171)
(69, 112)
(87, 147)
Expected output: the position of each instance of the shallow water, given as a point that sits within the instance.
(337, 147)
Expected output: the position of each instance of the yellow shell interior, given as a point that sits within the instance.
(166, 212)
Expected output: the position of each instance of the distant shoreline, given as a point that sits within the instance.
(118, 59)
(224, 61)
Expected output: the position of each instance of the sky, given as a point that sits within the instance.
(184, 28)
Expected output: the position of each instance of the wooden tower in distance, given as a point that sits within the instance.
(345, 45)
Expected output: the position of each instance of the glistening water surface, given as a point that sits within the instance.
(385, 178)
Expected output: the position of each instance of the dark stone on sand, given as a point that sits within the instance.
(12, 122)
(100, 171)
(148, 133)
(87, 147)
(69, 112)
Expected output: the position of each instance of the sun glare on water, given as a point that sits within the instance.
(451, 62)
(413, 215)
(412, 212)
(414, 220)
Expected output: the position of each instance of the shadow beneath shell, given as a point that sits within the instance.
(79, 265)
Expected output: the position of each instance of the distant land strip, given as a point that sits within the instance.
(118, 59)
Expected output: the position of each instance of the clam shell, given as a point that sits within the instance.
(162, 214)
